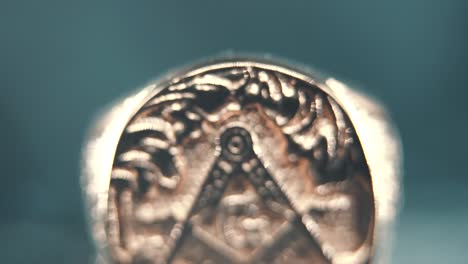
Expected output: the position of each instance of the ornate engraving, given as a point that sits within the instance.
(240, 165)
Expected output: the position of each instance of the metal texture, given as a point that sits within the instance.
(242, 161)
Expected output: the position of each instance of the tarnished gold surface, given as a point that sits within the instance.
(236, 162)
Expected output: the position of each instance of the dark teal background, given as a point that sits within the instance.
(60, 61)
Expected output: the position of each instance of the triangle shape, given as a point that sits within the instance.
(241, 215)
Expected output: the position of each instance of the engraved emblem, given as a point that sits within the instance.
(237, 164)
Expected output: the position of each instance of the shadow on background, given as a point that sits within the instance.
(59, 62)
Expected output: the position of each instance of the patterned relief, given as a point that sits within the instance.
(240, 165)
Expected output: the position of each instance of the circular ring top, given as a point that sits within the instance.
(239, 162)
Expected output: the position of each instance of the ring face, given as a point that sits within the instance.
(240, 164)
